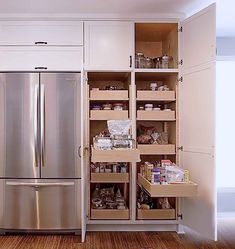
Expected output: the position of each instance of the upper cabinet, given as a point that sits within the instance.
(30, 33)
(109, 45)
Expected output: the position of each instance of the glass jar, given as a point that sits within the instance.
(157, 62)
(139, 60)
(165, 61)
(118, 106)
(148, 62)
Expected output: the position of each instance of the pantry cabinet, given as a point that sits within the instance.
(189, 120)
(108, 45)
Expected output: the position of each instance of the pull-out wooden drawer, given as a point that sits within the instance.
(155, 95)
(156, 149)
(110, 214)
(108, 115)
(118, 155)
(156, 214)
(110, 177)
(156, 115)
(169, 190)
(108, 95)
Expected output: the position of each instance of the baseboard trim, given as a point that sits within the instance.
(133, 228)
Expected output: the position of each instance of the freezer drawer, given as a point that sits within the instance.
(42, 205)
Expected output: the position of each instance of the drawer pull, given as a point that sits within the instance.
(41, 68)
(40, 43)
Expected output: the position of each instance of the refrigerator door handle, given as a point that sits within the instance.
(39, 184)
(43, 120)
(36, 118)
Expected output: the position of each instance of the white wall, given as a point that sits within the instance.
(226, 46)
(225, 122)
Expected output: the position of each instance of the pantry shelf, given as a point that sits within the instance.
(109, 95)
(110, 177)
(157, 149)
(168, 190)
(156, 214)
(110, 214)
(156, 115)
(117, 155)
(108, 115)
(155, 95)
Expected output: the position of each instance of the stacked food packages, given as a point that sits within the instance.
(164, 172)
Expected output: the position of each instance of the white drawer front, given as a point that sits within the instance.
(41, 58)
(41, 33)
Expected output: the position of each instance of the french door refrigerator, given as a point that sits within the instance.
(39, 143)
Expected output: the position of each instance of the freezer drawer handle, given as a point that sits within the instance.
(41, 68)
(40, 184)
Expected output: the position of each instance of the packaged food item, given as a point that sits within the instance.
(174, 174)
(163, 203)
(156, 176)
(118, 106)
(148, 107)
(186, 175)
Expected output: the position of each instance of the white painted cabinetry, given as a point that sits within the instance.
(43, 58)
(22, 33)
(108, 45)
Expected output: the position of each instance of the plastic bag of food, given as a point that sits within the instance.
(174, 174)
(119, 127)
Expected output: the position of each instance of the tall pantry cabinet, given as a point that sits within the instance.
(190, 124)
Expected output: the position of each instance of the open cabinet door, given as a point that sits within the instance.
(83, 152)
(197, 119)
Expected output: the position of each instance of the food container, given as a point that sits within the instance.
(122, 142)
(157, 62)
(118, 106)
(107, 106)
(141, 108)
(96, 107)
(103, 143)
(148, 62)
(148, 107)
(153, 86)
(165, 61)
(139, 60)
(157, 109)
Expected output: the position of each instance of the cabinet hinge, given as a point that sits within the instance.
(180, 62)
(180, 29)
(180, 79)
(180, 148)
(180, 216)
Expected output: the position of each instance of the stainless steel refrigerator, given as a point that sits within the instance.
(39, 143)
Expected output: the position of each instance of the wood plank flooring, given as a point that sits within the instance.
(124, 240)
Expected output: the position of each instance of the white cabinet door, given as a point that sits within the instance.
(109, 45)
(197, 119)
(13, 58)
(41, 33)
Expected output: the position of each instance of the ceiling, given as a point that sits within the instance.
(99, 6)
(120, 8)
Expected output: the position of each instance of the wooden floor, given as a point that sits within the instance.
(125, 240)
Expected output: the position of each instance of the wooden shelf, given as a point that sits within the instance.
(153, 70)
(156, 115)
(169, 190)
(109, 95)
(157, 149)
(110, 177)
(156, 214)
(155, 95)
(108, 115)
(109, 214)
(118, 155)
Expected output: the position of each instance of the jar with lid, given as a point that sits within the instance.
(139, 60)
(118, 106)
(157, 62)
(165, 61)
(148, 62)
